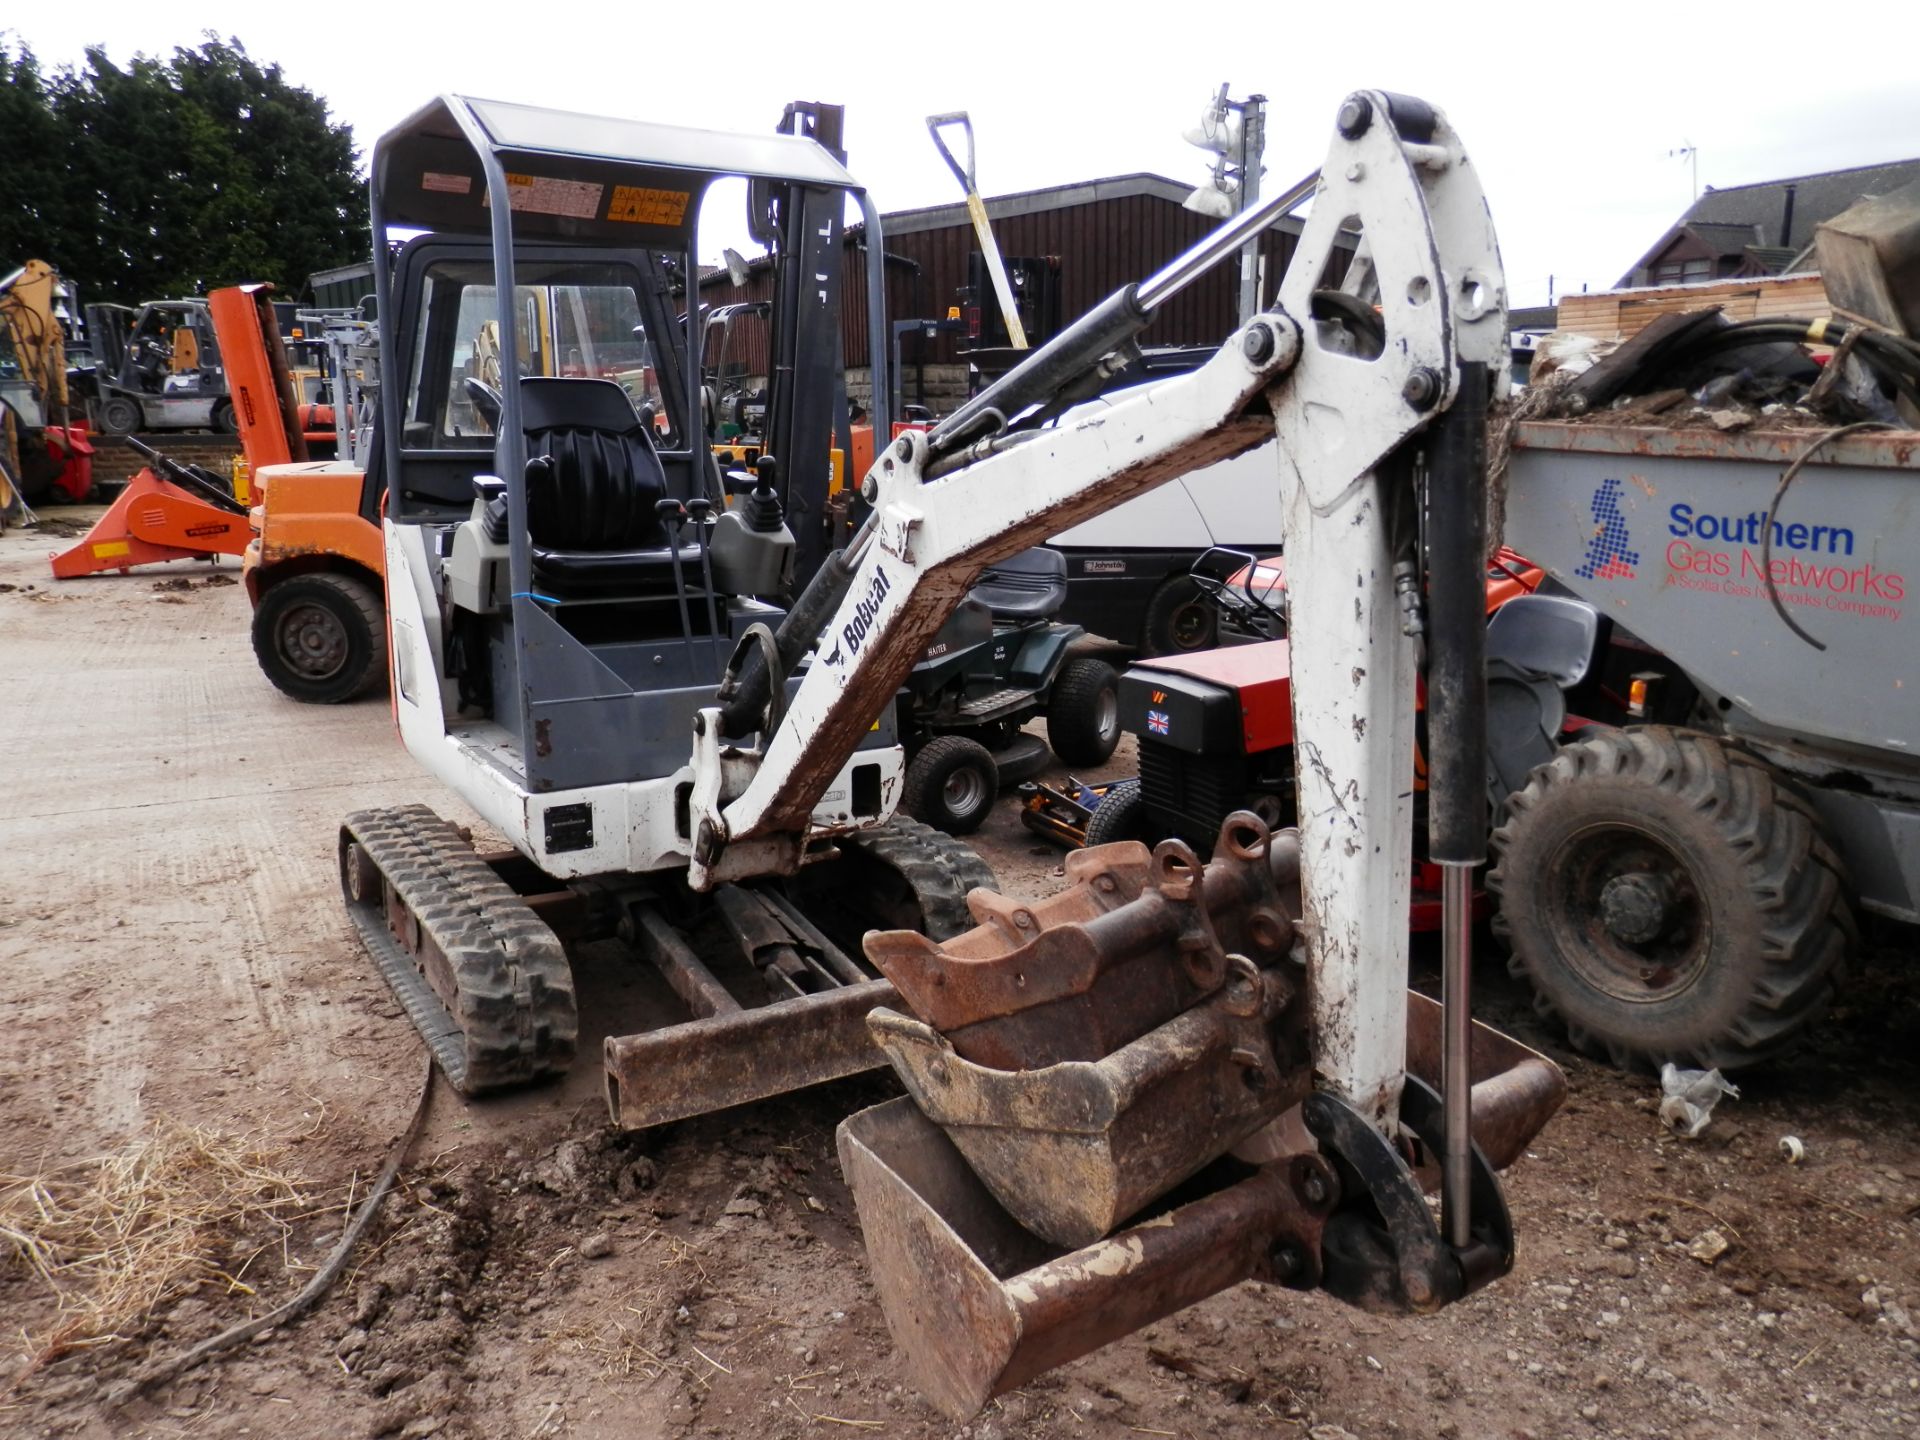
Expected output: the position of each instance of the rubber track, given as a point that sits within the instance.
(939, 869)
(514, 1020)
(1791, 868)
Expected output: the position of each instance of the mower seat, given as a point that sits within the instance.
(593, 480)
(1538, 647)
(1025, 587)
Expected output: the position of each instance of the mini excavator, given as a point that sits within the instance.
(1169, 1077)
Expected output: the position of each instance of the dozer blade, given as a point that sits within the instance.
(815, 1030)
(742, 1055)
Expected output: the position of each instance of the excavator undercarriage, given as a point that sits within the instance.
(774, 1001)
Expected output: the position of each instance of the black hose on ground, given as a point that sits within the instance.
(314, 1289)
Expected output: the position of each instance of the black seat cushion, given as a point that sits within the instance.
(580, 572)
(593, 477)
(1029, 586)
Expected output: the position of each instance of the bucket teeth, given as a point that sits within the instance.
(1135, 939)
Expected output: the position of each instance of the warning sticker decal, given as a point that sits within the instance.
(542, 195)
(447, 184)
(637, 205)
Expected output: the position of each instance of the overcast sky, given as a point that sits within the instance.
(1570, 110)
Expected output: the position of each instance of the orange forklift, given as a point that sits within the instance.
(313, 565)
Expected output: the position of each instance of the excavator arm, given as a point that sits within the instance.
(1339, 378)
(1076, 1063)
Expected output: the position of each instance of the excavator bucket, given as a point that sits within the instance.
(1078, 1158)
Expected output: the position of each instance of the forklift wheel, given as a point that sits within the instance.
(222, 421)
(120, 416)
(1120, 815)
(952, 784)
(321, 638)
(1083, 712)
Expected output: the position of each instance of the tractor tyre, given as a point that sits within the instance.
(1180, 619)
(1083, 712)
(321, 638)
(951, 784)
(1120, 815)
(121, 416)
(1668, 898)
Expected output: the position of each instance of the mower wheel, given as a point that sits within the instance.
(1180, 619)
(321, 638)
(1668, 898)
(951, 784)
(120, 416)
(1120, 815)
(1083, 712)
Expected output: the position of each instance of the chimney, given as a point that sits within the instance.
(1786, 217)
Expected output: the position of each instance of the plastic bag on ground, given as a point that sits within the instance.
(1688, 1097)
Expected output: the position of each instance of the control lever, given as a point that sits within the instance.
(673, 516)
(702, 512)
(761, 508)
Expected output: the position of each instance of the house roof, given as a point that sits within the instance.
(1740, 217)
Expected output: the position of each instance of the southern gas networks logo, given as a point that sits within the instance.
(1610, 555)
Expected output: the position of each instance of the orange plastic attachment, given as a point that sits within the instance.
(153, 520)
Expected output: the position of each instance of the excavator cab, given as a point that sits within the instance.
(546, 458)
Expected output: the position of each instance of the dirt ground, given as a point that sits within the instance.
(172, 949)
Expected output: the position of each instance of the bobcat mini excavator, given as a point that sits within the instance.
(1224, 1058)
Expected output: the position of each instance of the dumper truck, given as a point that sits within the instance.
(1686, 885)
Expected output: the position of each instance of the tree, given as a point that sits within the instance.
(170, 177)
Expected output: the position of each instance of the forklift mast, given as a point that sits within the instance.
(806, 378)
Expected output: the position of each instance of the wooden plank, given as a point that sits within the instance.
(1619, 314)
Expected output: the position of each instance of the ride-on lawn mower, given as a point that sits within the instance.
(996, 664)
(1216, 731)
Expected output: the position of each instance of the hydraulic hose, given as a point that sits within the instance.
(744, 693)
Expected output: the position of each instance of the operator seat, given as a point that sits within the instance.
(593, 482)
(1025, 587)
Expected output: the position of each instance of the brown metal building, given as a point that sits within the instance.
(1088, 239)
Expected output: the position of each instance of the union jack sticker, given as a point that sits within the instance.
(1157, 722)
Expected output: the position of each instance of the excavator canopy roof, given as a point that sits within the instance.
(590, 178)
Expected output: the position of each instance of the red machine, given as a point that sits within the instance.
(168, 511)
(1216, 735)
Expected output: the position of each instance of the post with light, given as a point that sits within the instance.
(1236, 132)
